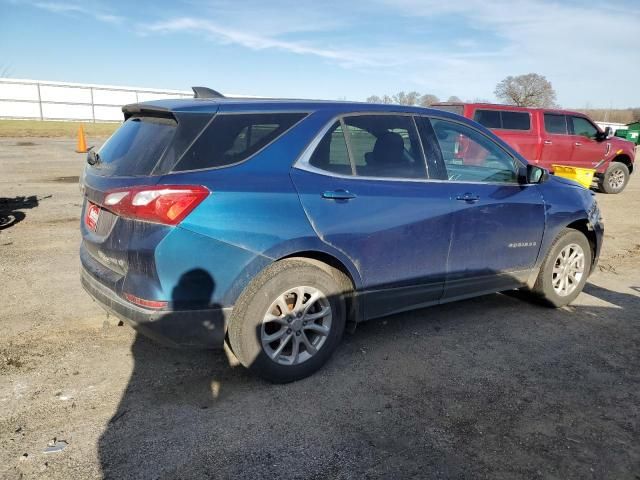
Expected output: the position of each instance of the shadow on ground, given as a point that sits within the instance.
(11, 210)
(490, 387)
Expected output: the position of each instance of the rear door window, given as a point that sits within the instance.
(488, 118)
(135, 148)
(515, 120)
(554, 123)
(503, 119)
(232, 138)
(385, 146)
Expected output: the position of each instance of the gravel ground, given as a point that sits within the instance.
(493, 387)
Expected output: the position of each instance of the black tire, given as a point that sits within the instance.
(246, 323)
(543, 288)
(615, 178)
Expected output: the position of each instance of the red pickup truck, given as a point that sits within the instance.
(546, 137)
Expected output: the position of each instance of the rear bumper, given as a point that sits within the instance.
(185, 328)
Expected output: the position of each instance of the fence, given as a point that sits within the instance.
(42, 100)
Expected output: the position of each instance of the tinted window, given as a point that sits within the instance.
(583, 127)
(331, 153)
(488, 118)
(515, 120)
(503, 119)
(385, 146)
(555, 123)
(470, 156)
(231, 139)
(136, 147)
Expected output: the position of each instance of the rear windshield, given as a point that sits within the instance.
(232, 138)
(136, 147)
(503, 119)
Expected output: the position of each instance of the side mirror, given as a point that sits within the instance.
(605, 135)
(533, 174)
(608, 133)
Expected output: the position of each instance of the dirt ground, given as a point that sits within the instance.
(493, 387)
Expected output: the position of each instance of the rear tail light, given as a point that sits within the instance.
(152, 304)
(166, 204)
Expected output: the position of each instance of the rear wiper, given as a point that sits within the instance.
(93, 158)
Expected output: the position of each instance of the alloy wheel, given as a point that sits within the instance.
(568, 269)
(296, 325)
(616, 179)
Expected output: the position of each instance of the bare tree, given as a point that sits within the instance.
(428, 99)
(454, 99)
(376, 99)
(404, 98)
(530, 90)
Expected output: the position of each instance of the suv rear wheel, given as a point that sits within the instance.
(290, 319)
(615, 178)
(565, 269)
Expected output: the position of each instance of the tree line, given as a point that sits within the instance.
(528, 90)
(410, 98)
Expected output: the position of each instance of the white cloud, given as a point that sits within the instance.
(576, 45)
(401, 43)
(78, 8)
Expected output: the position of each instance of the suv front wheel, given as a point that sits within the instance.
(565, 269)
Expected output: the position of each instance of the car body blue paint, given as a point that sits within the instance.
(404, 243)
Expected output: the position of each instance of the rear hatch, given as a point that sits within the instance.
(125, 216)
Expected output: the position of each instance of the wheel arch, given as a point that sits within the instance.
(354, 307)
(625, 159)
(584, 227)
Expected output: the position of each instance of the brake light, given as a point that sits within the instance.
(166, 204)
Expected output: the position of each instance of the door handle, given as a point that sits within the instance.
(548, 142)
(468, 197)
(338, 195)
(578, 144)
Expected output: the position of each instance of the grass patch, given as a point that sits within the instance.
(36, 128)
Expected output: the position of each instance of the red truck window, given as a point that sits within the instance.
(503, 119)
(554, 123)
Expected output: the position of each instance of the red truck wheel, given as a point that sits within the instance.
(615, 178)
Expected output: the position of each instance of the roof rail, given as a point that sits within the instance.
(205, 92)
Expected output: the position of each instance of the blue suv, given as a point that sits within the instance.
(273, 225)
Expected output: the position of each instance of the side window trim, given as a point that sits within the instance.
(430, 137)
(347, 138)
(302, 162)
(424, 155)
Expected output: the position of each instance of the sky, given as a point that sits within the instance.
(330, 49)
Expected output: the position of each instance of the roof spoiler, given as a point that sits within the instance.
(205, 92)
(142, 109)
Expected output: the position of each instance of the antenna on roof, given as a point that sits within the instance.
(204, 92)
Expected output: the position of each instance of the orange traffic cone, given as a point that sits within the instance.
(82, 141)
